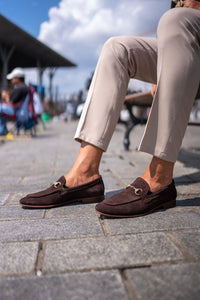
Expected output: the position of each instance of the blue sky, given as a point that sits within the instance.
(77, 29)
(27, 14)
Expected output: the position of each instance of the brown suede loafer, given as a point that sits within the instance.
(137, 200)
(59, 194)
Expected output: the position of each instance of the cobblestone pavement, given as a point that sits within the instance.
(71, 253)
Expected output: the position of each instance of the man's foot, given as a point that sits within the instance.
(59, 194)
(137, 200)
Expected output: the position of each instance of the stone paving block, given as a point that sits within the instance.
(170, 219)
(167, 282)
(31, 184)
(183, 180)
(111, 183)
(102, 285)
(190, 240)
(39, 170)
(189, 189)
(191, 136)
(7, 170)
(184, 174)
(44, 180)
(17, 258)
(57, 172)
(194, 176)
(7, 181)
(49, 229)
(188, 201)
(61, 162)
(189, 155)
(126, 180)
(125, 170)
(76, 210)
(26, 188)
(15, 197)
(109, 252)
(10, 212)
(3, 198)
(128, 169)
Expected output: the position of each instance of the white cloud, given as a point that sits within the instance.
(77, 29)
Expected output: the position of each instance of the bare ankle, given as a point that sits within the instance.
(86, 166)
(158, 174)
(78, 176)
(156, 185)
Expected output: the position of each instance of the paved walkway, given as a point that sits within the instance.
(71, 253)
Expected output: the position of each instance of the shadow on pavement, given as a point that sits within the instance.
(190, 157)
(189, 202)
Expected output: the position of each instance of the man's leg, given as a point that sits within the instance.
(121, 59)
(178, 81)
(176, 91)
(177, 85)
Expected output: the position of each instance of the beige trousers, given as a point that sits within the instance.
(172, 61)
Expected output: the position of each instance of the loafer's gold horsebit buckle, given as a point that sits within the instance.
(137, 191)
(56, 184)
(178, 3)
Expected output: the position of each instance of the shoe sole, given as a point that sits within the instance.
(166, 205)
(83, 200)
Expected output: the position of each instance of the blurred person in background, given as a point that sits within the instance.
(12, 100)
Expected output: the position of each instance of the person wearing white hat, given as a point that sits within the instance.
(16, 73)
(20, 90)
(13, 100)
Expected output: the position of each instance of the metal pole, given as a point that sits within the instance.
(5, 55)
(52, 71)
(40, 77)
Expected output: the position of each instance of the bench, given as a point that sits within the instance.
(141, 100)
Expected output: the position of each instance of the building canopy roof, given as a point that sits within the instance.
(27, 51)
